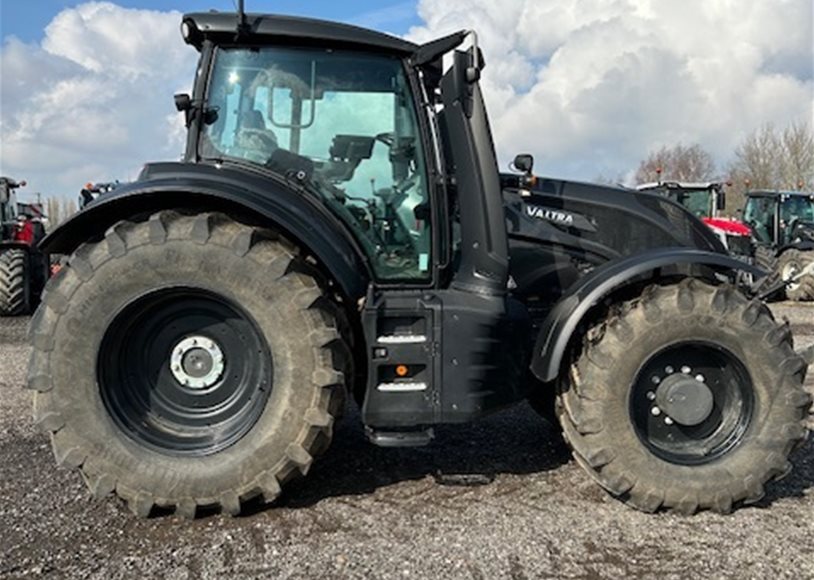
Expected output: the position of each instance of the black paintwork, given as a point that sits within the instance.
(484, 263)
(256, 196)
(560, 325)
(473, 360)
(559, 230)
(221, 27)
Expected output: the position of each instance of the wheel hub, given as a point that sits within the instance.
(197, 362)
(685, 399)
(789, 271)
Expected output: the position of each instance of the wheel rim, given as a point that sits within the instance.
(790, 270)
(692, 403)
(184, 372)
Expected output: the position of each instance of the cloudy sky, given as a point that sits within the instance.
(588, 86)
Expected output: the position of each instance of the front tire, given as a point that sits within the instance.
(733, 399)
(15, 290)
(187, 362)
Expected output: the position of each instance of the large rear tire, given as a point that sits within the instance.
(15, 291)
(689, 397)
(187, 361)
(765, 258)
(790, 263)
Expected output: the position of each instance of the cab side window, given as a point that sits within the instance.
(759, 215)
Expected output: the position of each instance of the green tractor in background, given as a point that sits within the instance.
(782, 224)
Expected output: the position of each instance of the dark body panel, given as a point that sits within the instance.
(560, 230)
(253, 196)
(283, 29)
(560, 325)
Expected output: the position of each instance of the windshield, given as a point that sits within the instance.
(797, 208)
(341, 124)
(699, 202)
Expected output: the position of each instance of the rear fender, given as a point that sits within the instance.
(560, 327)
(263, 204)
(803, 246)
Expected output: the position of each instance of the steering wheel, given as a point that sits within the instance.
(388, 138)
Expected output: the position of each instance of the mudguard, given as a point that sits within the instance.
(246, 196)
(802, 245)
(558, 329)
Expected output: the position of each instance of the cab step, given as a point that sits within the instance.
(402, 438)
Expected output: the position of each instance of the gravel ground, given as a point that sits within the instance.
(366, 512)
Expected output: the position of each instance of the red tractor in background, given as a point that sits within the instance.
(707, 200)
(24, 269)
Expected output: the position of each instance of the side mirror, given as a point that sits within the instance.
(23, 183)
(523, 163)
(183, 102)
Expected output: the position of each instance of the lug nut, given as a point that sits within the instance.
(699, 378)
(668, 421)
(686, 370)
(655, 379)
(651, 395)
(655, 411)
(669, 370)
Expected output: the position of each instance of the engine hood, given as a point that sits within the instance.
(603, 220)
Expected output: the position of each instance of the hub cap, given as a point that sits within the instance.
(692, 403)
(685, 399)
(197, 362)
(184, 371)
(789, 271)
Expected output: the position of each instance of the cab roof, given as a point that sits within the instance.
(694, 185)
(222, 27)
(777, 193)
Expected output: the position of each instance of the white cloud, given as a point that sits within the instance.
(93, 100)
(590, 86)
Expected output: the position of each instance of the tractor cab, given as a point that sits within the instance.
(8, 206)
(341, 124)
(23, 267)
(780, 218)
(365, 125)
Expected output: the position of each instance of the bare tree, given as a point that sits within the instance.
(757, 159)
(70, 207)
(53, 209)
(59, 209)
(772, 159)
(797, 157)
(677, 163)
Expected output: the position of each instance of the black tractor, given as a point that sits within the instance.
(782, 223)
(23, 267)
(339, 226)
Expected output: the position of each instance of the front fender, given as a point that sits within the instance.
(802, 245)
(558, 329)
(255, 199)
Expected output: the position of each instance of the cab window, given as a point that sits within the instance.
(341, 124)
